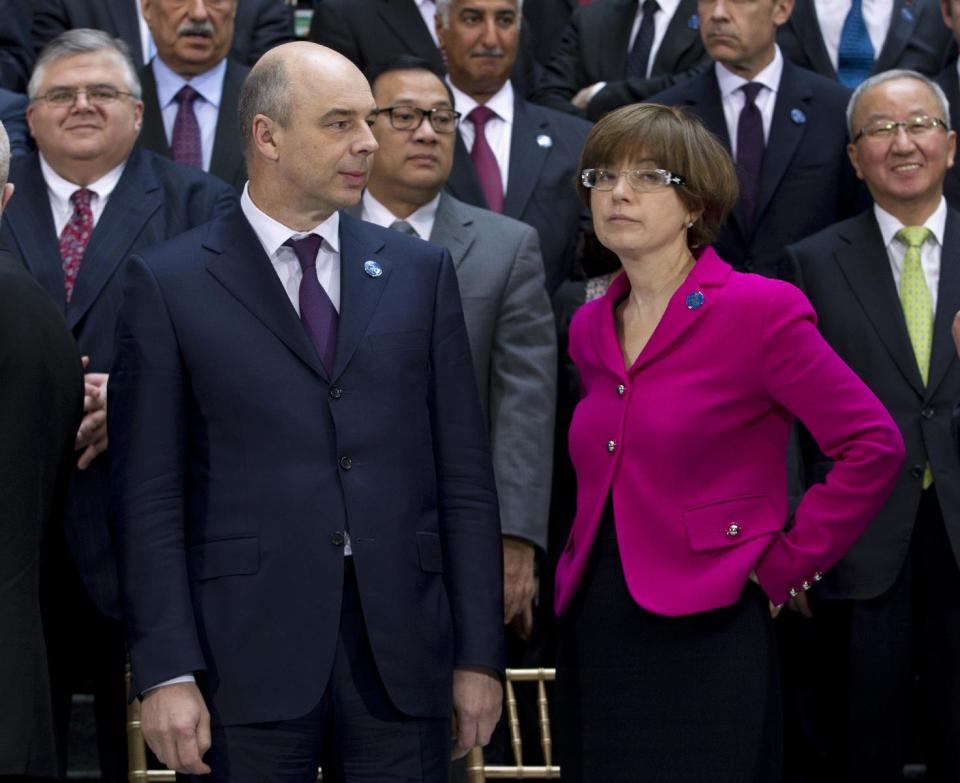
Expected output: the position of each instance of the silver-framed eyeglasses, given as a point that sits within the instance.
(887, 129)
(410, 118)
(97, 94)
(641, 180)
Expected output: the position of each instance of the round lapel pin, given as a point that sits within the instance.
(372, 268)
(544, 141)
(694, 22)
(798, 117)
(694, 300)
(907, 13)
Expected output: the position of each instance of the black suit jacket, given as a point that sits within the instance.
(545, 148)
(917, 39)
(951, 87)
(845, 271)
(548, 19)
(16, 53)
(368, 32)
(232, 496)
(42, 405)
(594, 49)
(806, 182)
(260, 24)
(227, 161)
(155, 199)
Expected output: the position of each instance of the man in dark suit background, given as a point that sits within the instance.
(784, 127)
(13, 115)
(260, 24)
(527, 156)
(191, 89)
(86, 200)
(899, 34)
(616, 52)
(886, 285)
(949, 81)
(42, 406)
(16, 53)
(320, 551)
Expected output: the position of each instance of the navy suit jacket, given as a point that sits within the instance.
(806, 181)
(259, 25)
(545, 147)
(16, 53)
(13, 115)
(948, 80)
(227, 161)
(916, 39)
(154, 199)
(239, 460)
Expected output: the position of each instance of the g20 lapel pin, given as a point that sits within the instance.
(694, 22)
(798, 117)
(907, 13)
(372, 268)
(544, 141)
(694, 300)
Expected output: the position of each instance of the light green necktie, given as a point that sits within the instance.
(917, 306)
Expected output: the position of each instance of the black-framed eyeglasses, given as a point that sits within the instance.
(411, 118)
(915, 126)
(97, 94)
(641, 180)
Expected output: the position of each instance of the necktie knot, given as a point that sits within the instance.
(81, 198)
(186, 95)
(480, 116)
(751, 90)
(913, 236)
(306, 249)
(404, 228)
(650, 7)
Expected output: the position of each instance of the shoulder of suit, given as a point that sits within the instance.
(811, 249)
(12, 102)
(236, 71)
(560, 121)
(823, 89)
(503, 224)
(684, 90)
(178, 179)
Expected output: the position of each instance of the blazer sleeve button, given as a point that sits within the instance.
(611, 446)
(337, 538)
(734, 530)
(346, 463)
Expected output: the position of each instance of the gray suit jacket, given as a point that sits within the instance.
(514, 345)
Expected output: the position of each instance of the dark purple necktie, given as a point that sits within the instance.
(750, 146)
(317, 312)
(185, 146)
(484, 161)
(639, 56)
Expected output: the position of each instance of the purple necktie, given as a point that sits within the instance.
(75, 237)
(750, 146)
(317, 312)
(484, 161)
(185, 147)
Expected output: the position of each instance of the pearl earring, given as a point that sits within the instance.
(690, 224)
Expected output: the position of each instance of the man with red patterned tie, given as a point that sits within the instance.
(86, 200)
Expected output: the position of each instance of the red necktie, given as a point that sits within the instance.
(75, 237)
(484, 161)
(185, 147)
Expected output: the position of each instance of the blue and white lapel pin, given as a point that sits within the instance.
(798, 117)
(372, 268)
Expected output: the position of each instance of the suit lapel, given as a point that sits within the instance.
(785, 134)
(227, 157)
(943, 352)
(863, 261)
(241, 266)
(359, 292)
(806, 27)
(527, 157)
(30, 220)
(463, 182)
(901, 29)
(680, 36)
(452, 230)
(137, 196)
(152, 134)
(405, 21)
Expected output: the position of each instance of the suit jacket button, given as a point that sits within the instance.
(734, 530)
(611, 446)
(335, 392)
(817, 576)
(806, 585)
(346, 463)
(927, 413)
(793, 592)
(337, 538)
(621, 389)
(917, 471)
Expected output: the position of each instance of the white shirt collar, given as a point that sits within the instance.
(61, 189)
(272, 233)
(501, 103)
(769, 77)
(422, 218)
(889, 225)
(209, 83)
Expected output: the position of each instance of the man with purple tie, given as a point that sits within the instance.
(305, 503)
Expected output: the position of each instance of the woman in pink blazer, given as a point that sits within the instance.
(681, 551)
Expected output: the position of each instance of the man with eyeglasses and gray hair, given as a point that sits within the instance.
(87, 199)
(886, 286)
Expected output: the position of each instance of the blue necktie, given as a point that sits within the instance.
(855, 61)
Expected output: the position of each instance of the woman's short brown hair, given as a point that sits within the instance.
(677, 141)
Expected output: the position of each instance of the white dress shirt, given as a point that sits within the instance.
(929, 253)
(59, 191)
(428, 10)
(272, 234)
(733, 98)
(832, 13)
(498, 129)
(206, 108)
(421, 219)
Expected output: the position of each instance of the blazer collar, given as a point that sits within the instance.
(943, 351)
(528, 153)
(453, 229)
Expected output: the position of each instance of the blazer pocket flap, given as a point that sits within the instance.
(227, 557)
(726, 523)
(413, 340)
(430, 551)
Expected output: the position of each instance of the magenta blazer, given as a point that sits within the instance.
(691, 442)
